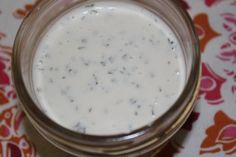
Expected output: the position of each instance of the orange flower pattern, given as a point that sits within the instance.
(221, 136)
(13, 143)
(204, 30)
(20, 13)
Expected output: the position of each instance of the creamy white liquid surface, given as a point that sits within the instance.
(108, 68)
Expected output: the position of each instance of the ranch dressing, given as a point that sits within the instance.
(108, 68)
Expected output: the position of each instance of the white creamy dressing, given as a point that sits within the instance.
(108, 68)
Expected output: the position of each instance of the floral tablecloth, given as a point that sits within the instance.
(211, 128)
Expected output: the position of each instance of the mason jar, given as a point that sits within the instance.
(146, 141)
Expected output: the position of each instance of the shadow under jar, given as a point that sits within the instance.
(142, 139)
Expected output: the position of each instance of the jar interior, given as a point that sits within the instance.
(42, 24)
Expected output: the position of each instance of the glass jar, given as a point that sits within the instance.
(145, 141)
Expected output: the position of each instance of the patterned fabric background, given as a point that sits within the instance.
(209, 132)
